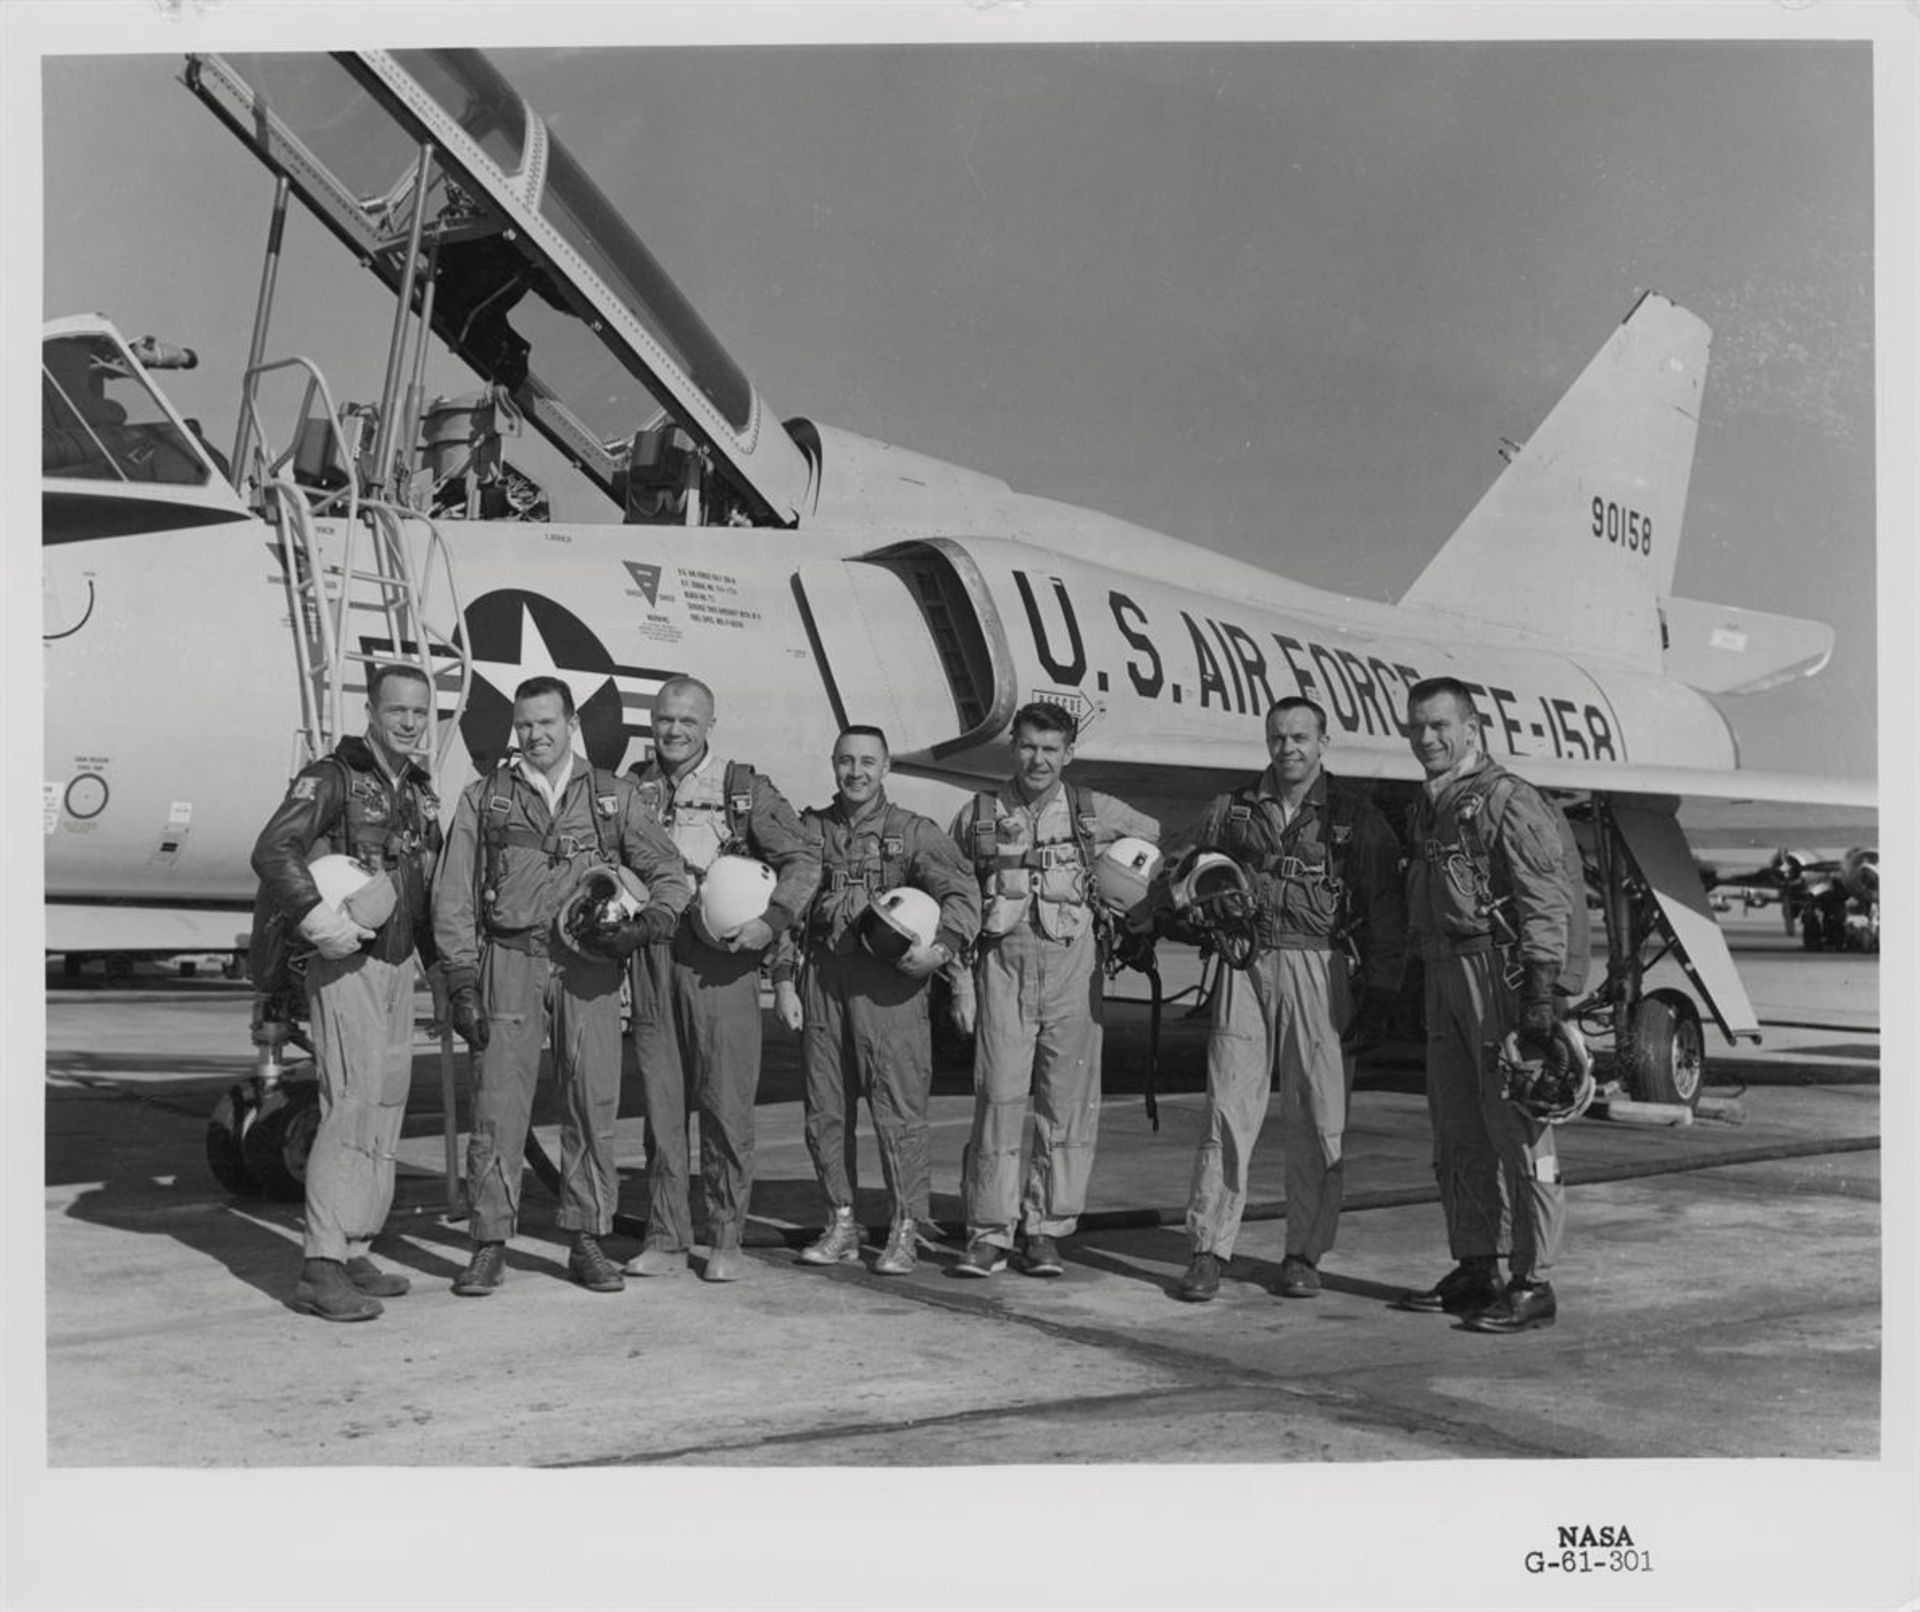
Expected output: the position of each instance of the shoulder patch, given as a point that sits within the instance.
(304, 789)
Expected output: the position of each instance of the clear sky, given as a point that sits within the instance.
(1282, 300)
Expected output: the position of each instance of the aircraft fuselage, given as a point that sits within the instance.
(173, 709)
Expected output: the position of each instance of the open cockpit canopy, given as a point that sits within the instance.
(531, 274)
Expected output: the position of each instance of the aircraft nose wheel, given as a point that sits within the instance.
(259, 1136)
(1666, 1056)
(226, 1125)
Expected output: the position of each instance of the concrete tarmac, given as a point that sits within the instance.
(1689, 1323)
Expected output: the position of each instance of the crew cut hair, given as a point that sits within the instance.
(377, 679)
(1299, 702)
(682, 681)
(1428, 687)
(1044, 716)
(534, 687)
(865, 730)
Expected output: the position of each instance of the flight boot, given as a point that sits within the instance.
(656, 1259)
(1040, 1256)
(1201, 1284)
(587, 1264)
(485, 1271)
(1299, 1278)
(1472, 1285)
(325, 1290)
(1524, 1306)
(369, 1278)
(725, 1262)
(982, 1258)
(839, 1244)
(902, 1252)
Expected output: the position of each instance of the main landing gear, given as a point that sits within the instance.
(1664, 1057)
(1658, 1045)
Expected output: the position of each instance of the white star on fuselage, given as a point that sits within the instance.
(536, 660)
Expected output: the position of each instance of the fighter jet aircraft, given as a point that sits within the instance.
(811, 575)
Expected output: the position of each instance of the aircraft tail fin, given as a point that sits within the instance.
(1577, 539)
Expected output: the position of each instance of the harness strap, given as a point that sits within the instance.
(738, 786)
(1086, 824)
(986, 813)
(606, 811)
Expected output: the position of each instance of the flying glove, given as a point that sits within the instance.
(463, 1009)
(333, 934)
(1539, 1013)
(656, 924)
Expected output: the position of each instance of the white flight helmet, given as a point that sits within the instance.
(1553, 1089)
(898, 920)
(734, 891)
(1121, 876)
(352, 888)
(1207, 879)
(1213, 899)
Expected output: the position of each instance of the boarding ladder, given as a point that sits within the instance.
(368, 581)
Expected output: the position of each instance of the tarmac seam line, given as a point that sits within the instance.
(899, 1424)
(1210, 1374)
(1404, 1197)
(1343, 1404)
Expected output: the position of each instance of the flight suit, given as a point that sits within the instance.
(1493, 1162)
(1040, 992)
(1278, 1021)
(696, 1008)
(359, 1008)
(502, 883)
(866, 1030)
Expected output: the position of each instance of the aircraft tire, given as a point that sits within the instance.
(226, 1126)
(276, 1145)
(1668, 1051)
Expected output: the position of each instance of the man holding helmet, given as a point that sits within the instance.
(372, 802)
(897, 902)
(1037, 994)
(696, 994)
(1499, 916)
(1316, 949)
(535, 920)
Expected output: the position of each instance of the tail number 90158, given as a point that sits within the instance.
(1618, 524)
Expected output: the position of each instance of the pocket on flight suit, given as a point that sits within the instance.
(497, 1020)
(1238, 1016)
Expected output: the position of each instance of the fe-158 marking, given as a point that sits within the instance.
(1364, 695)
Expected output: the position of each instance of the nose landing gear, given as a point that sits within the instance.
(261, 1131)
